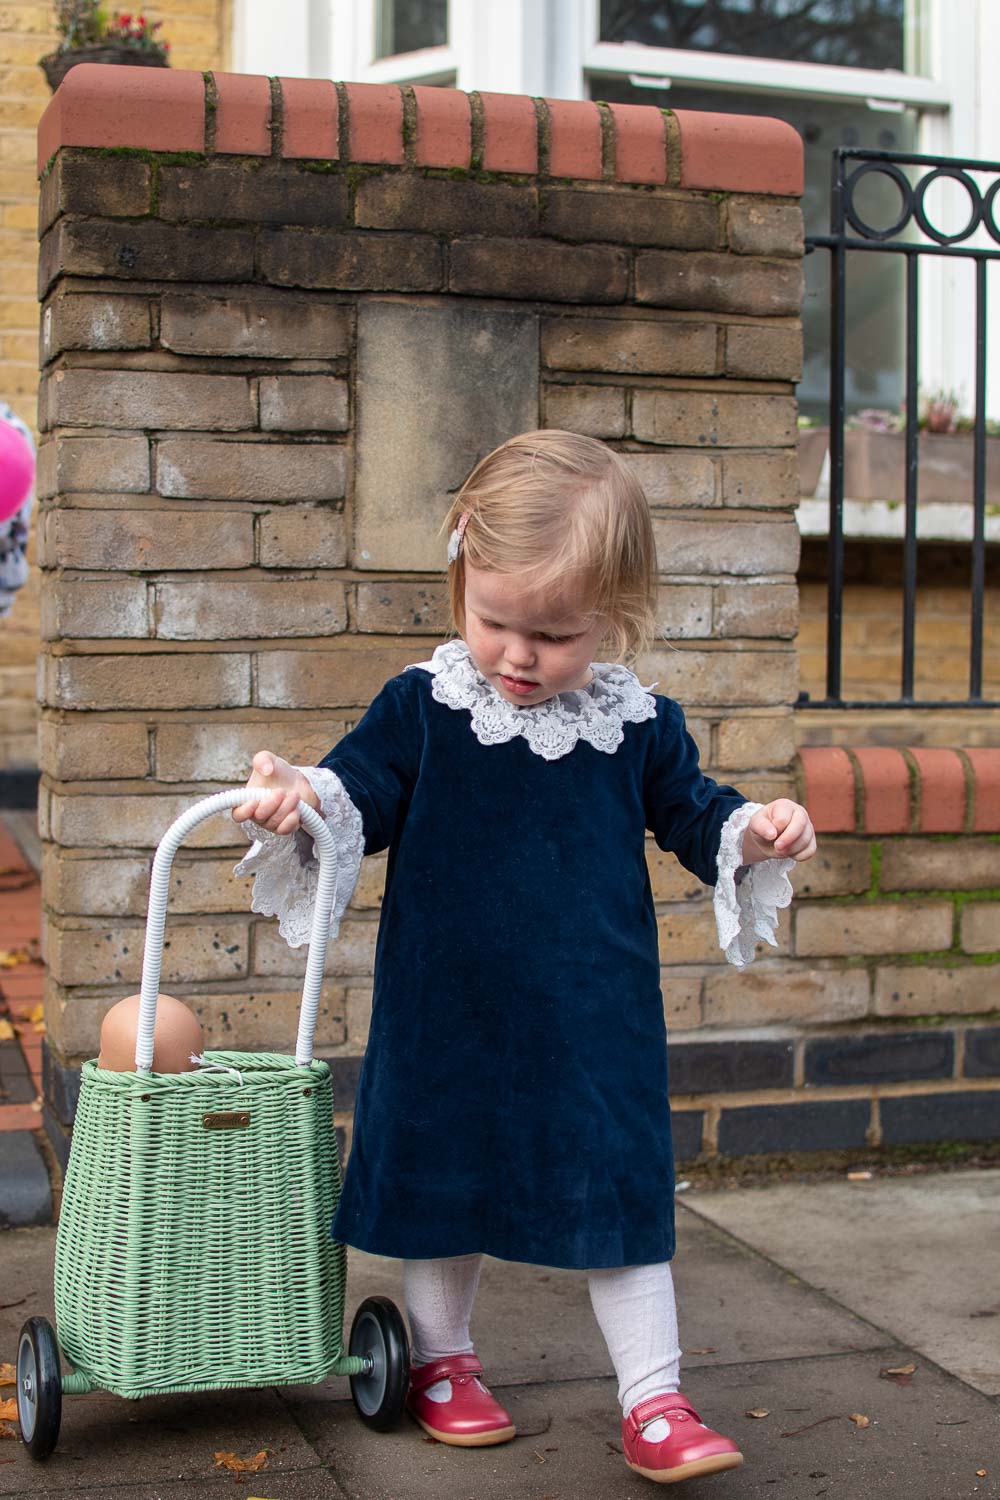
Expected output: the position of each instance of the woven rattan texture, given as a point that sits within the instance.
(191, 1258)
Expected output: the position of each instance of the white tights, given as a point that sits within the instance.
(635, 1309)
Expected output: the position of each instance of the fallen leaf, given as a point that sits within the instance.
(40, 1027)
(540, 1456)
(758, 1411)
(981, 1473)
(899, 1374)
(8, 1410)
(37, 1013)
(6, 1431)
(8, 1374)
(11, 957)
(7, 1033)
(611, 1447)
(859, 1420)
(242, 1465)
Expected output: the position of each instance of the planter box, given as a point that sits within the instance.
(813, 443)
(57, 64)
(875, 467)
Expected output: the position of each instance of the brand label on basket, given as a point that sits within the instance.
(232, 1119)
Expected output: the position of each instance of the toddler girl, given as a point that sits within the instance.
(513, 1097)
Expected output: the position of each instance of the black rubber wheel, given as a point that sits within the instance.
(39, 1387)
(378, 1335)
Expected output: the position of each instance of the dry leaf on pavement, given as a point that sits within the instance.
(899, 1374)
(7, 1431)
(37, 1013)
(8, 1374)
(8, 1410)
(859, 1420)
(11, 957)
(7, 1033)
(758, 1411)
(981, 1473)
(242, 1465)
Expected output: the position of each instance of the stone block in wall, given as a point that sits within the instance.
(443, 206)
(968, 1116)
(880, 927)
(708, 1067)
(359, 1014)
(962, 864)
(350, 262)
(118, 821)
(222, 749)
(879, 1057)
(767, 610)
(81, 748)
(398, 607)
(101, 465)
(687, 545)
(302, 536)
(760, 228)
(759, 1129)
(352, 955)
(775, 991)
(669, 880)
(254, 1018)
(144, 252)
(766, 480)
(682, 222)
(80, 183)
(252, 192)
(327, 679)
(189, 680)
(982, 1052)
(145, 540)
(412, 455)
(95, 609)
(683, 612)
(688, 936)
(303, 403)
(370, 889)
(118, 885)
(254, 323)
(700, 418)
(718, 283)
(631, 346)
(981, 927)
(594, 410)
(94, 320)
(675, 478)
(840, 867)
(681, 990)
(203, 469)
(211, 609)
(538, 269)
(761, 353)
(193, 952)
(756, 740)
(145, 398)
(697, 678)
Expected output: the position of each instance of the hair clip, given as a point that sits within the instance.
(455, 540)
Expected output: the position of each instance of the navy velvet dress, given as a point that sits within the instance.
(513, 1095)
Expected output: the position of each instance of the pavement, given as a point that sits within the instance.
(795, 1300)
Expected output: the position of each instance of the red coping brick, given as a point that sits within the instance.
(739, 153)
(510, 133)
(886, 779)
(243, 118)
(310, 116)
(375, 122)
(640, 143)
(986, 794)
(444, 127)
(161, 109)
(21, 1116)
(829, 788)
(942, 790)
(575, 138)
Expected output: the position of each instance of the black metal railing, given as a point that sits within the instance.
(850, 234)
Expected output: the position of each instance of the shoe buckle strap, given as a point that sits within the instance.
(460, 1368)
(647, 1412)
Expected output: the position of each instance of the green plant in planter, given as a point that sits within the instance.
(89, 34)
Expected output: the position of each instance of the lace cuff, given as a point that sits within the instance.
(286, 868)
(747, 897)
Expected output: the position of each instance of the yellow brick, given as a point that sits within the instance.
(22, 380)
(20, 348)
(28, 17)
(20, 404)
(185, 35)
(24, 83)
(19, 281)
(19, 147)
(18, 313)
(18, 182)
(20, 215)
(21, 113)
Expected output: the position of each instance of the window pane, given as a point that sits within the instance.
(846, 33)
(875, 313)
(408, 25)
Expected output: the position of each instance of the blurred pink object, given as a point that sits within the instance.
(17, 469)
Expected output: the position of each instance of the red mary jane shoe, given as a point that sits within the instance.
(471, 1418)
(690, 1449)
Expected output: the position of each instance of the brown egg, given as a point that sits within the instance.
(176, 1035)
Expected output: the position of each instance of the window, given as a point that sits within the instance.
(410, 25)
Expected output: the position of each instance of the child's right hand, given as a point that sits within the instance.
(279, 809)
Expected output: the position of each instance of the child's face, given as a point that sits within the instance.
(529, 644)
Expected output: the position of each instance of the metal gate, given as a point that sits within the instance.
(850, 234)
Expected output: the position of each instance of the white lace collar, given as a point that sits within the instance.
(594, 713)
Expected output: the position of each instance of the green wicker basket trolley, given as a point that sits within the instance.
(194, 1249)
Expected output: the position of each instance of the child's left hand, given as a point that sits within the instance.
(782, 830)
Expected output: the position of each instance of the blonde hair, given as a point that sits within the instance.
(553, 508)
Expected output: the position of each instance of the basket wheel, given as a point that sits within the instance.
(378, 1335)
(39, 1387)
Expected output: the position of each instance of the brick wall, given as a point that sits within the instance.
(198, 31)
(267, 321)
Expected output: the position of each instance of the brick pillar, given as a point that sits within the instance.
(280, 323)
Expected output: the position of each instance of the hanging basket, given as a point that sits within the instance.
(55, 65)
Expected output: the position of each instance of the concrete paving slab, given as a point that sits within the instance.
(918, 1256)
(925, 1441)
(315, 1484)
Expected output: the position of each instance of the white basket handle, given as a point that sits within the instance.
(159, 885)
